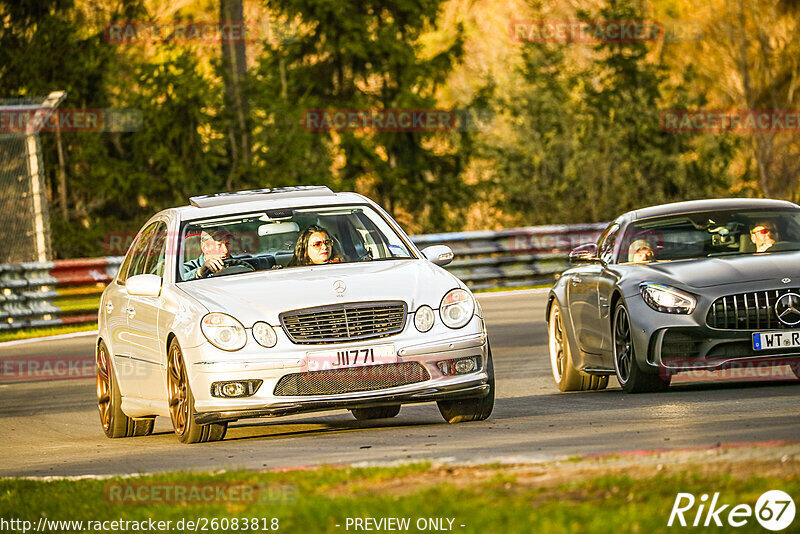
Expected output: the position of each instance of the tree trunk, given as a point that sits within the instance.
(234, 64)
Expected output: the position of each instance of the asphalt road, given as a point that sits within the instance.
(52, 427)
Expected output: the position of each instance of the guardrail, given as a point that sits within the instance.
(62, 292)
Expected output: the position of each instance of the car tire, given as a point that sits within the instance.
(630, 376)
(567, 377)
(475, 409)
(181, 403)
(377, 412)
(109, 401)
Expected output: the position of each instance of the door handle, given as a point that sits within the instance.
(131, 313)
(576, 280)
(109, 307)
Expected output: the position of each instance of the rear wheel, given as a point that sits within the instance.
(475, 409)
(566, 376)
(109, 402)
(181, 403)
(629, 374)
(378, 412)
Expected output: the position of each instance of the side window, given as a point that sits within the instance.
(605, 248)
(156, 251)
(137, 255)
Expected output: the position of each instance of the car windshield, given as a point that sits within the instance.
(716, 233)
(286, 238)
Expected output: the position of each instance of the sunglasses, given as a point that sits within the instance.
(318, 244)
(760, 230)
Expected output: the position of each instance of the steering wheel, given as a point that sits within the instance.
(234, 266)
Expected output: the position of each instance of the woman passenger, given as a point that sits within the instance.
(314, 247)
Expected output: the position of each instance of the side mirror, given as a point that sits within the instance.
(144, 285)
(440, 255)
(584, 254)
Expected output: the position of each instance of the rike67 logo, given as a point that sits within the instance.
(774, 510)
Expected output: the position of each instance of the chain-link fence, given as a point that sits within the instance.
(24, 224)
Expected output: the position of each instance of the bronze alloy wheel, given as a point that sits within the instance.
(181, 403)
(176, 384)
(103, 387)
(567, 377)
(109, 401)
(557, 354)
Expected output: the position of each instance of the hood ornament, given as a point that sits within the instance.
(787, 308)
(786, 280)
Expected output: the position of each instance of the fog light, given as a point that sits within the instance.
(458, 367)
(238, 388)
(234, 389)
(465, 366)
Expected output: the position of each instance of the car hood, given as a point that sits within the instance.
(263, 295)
(710, 272)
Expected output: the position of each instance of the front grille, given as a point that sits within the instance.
(351, 379)
(747, 311)
(340, 323)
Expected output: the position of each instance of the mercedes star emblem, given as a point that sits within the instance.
(339, 286)
(787, 308)
(786, 280)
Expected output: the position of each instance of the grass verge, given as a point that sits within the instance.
(575, 496)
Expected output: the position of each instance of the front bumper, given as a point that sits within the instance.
(207, 365)
(671, 343)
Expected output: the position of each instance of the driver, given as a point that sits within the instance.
(215, 246)
(763, 235)
(640, 251)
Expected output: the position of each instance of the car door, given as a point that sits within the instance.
(146, 353)
(590, 303)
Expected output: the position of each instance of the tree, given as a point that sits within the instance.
(365, 55)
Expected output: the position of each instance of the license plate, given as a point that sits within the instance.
(320, 360)
(776, 340)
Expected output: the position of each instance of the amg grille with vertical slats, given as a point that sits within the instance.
(747, 311)
(351, 379)
(340, 323)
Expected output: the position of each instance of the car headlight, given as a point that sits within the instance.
(667, 299)
(223, 331)
(424, 318)
(264, 334)
(456, 308)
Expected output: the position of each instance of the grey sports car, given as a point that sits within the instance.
(699, 285)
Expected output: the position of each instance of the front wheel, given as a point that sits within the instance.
(476, 409)
(181, 403)
(567, 377)
(629, 374)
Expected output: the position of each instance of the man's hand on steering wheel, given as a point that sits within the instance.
(213, 266)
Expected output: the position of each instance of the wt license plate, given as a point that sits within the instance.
(354, 357)
(776, 340)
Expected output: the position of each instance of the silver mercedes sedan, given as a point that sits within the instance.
(282, 301)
